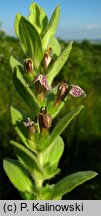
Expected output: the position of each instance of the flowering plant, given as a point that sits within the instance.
(38, 157)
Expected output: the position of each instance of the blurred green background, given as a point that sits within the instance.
(82, 137)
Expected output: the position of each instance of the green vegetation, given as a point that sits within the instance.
(82, 137)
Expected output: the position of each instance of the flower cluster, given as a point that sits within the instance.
(63, 91)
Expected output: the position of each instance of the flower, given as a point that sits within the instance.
(43, 80)
(62, 90)
(45, 119)
(47, 58)
(30, 125)
(76, 91)
(28, 65)
(28, 122)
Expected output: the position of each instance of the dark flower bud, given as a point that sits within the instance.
(61, 93)
(45, 119)
(28, 65)
(47, 58)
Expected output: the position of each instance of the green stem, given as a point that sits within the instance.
(38, 183)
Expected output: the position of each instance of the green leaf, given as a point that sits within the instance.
(63, 123)
(27, 157)
(18, 117)
(54, 44)
(18, 175)
(25, 92)
(14, 62)
(38, 18)
(53, 153)
(16, 24)
(51, 28)
(30, 41)
(50, 157)
(58, 64)
(70, 182)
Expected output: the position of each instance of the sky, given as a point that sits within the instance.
(79, 19)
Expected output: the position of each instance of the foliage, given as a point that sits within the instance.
(44, 103)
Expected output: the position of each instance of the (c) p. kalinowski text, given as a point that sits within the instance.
(59, 207)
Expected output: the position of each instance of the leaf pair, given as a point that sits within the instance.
(29, 32)
(39, 20)
(21, 180)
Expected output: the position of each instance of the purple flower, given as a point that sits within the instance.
(43, 80)
(30, 125)
(76, 91)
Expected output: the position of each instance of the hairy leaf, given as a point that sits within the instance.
(18, 175)
(62, 124)
(53, 153)
(38, 18)
(51, 28)
(70, 182)
(30, 41)
(58, 64)
(27, 157)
